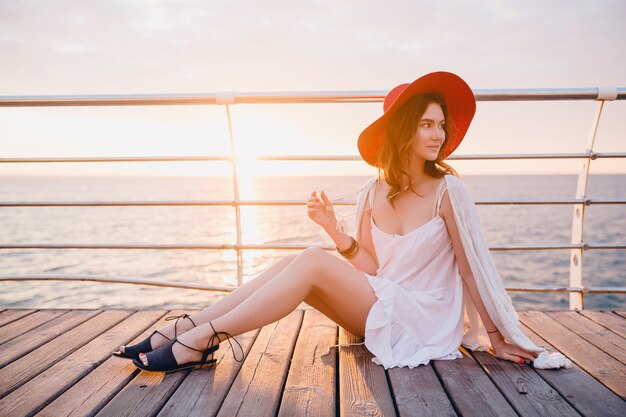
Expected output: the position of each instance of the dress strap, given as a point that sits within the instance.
(441, 189)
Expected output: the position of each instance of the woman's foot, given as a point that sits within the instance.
(189, 350)
(163, 359)
(158, 338)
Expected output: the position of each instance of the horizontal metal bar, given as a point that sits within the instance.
(118, 159)
(556, 201)
(584, 246)
(119, 246)
(203, 287)
(584, 290)
(541, 94)
(287, 158)
(227, 203)
(191, 99)
(530, 201)
(232, 203)
(152, 283)
(592, 155)
(364, 96)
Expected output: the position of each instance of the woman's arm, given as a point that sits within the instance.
(365, 260)
(500, 346)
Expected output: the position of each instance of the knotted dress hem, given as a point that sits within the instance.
(379, 330)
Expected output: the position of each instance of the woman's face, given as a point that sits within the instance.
(430, 134)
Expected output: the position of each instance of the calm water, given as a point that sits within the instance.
(201, 225)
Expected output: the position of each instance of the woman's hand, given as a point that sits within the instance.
(510, 352)
(321, 211)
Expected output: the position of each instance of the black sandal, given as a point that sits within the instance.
(163, 360)
(132, 352)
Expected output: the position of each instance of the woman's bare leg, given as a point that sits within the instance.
(222, 306)
(232, 300)
(313, 275)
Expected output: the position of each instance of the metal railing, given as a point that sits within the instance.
(577, 245)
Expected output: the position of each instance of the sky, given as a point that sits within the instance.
(61, 47)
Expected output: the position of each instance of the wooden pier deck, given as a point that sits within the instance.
(58, 363)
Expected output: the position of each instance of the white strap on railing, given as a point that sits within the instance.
(607, 93)
(225, 97)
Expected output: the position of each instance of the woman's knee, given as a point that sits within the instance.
(312, 262)
(314, 252)
(313, 255)
(290, 258)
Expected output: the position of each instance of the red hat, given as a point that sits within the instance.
(458, 97)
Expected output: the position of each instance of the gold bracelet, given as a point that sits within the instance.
(354, 252)
(350, 252)
(349, 249)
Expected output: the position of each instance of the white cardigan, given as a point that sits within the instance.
(490, 285)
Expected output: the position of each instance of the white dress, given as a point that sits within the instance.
(419, 312)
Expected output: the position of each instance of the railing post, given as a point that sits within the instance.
(228, 98)
(576, 299)
(237, 199)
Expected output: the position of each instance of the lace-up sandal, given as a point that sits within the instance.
(163, 360)
(132, 352)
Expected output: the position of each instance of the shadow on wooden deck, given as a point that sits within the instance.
(58, 363)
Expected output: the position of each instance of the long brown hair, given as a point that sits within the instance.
(393, 158)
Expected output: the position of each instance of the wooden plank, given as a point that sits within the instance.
(18, 372)
(310, 388)
(620, 313)
(145, 394)
(602, 366)
(470, 389)
(256, 390)
(592, 332)
(10, 315)
(418, 392)
(525, 390)
(29, 341)
(94, 391)
(51, 382)
(580, 389)
(363, 387)
(31, 321)
(203, 391)
(611, 321)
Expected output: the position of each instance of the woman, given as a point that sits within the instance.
(407, 280)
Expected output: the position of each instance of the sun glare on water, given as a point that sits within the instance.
(264, 132)
(247, 167)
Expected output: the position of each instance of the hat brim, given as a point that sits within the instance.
(459, 99)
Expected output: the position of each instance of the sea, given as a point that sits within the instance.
(502, 224)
